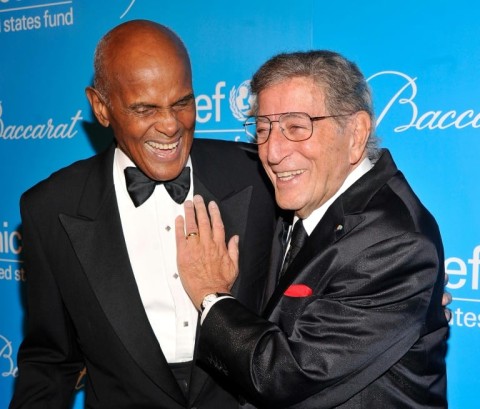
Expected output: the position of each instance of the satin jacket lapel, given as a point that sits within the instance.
(276, 259)
(342, 216)
(97, 237)
(234, 205)
(331, 229)
(234, 208)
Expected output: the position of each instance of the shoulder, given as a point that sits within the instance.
(67, 182)
(232, 158)
(388, 203)
(226, 166)
(225, 148)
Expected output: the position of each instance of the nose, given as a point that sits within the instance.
(276, 147)
(166, 122)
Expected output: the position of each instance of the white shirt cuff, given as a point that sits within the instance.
(210, 305)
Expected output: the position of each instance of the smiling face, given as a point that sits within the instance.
(149, 103)
(306, 174)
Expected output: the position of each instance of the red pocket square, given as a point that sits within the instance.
(298, 290)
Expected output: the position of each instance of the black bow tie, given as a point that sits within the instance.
(140, 187)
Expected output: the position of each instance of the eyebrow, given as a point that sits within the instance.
(185, 98)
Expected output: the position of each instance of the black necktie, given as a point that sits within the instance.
(297, 240)
(140, 187)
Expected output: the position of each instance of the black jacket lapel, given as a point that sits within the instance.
(234, 207)
(276, 259)
(97, 237)
(341, 217)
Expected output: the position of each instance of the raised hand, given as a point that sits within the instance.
(205, 263)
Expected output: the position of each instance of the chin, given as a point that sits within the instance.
(285, 204)
(172, 173)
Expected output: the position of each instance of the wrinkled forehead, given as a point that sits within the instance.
(146, 47)
(296, 94)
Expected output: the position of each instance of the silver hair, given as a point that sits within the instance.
(346, 89)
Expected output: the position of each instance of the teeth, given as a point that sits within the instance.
(168, 146)
(289, 174)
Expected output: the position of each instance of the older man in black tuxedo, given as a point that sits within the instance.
(103, 288)
(353, 317)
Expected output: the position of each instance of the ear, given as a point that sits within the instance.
(361, 127)
(98, 105)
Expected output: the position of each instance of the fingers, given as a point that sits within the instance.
(446, 298)
(233, 252)
(188, 227)
(210, 224)
(217, 224)
(180, 232)
(190, 222)
(198, 220)
(205, 263)
(203, 220)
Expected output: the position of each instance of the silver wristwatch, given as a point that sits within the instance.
(209, 298)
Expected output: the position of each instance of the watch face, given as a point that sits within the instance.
(208, 299)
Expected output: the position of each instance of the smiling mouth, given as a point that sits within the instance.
(163, 146)
(285, 176)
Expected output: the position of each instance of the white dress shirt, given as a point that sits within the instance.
(149, 232)
(314, 218)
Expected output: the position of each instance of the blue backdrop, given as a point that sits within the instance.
(421, 58)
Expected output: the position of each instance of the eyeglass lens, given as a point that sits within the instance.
(296, 126)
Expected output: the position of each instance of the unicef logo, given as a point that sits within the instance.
(241, 100)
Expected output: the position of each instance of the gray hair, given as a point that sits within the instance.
(346, 89)
(100, 77)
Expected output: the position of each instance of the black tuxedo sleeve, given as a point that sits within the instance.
(49, 360)
(362, 319)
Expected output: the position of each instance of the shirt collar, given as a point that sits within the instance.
(314, 218)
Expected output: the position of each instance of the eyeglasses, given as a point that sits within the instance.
(295, 126)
